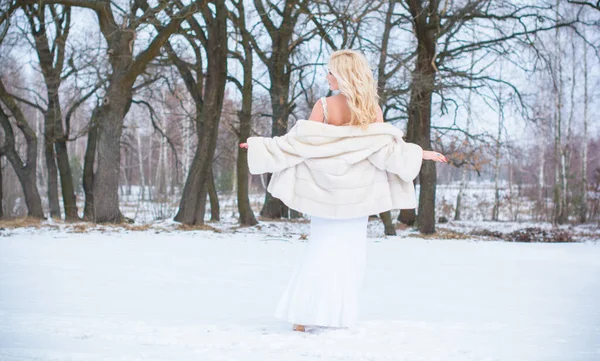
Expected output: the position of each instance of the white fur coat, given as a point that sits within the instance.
(338, 171)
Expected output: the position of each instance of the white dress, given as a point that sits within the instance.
(324, 288)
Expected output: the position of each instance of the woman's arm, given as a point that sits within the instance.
(404, 159)
(270, 155)
(434, 156)
(315, 115)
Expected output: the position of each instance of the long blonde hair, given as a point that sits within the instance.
(355, 80)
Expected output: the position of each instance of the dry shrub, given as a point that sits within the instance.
(535, 234)
(136, 227)
(285, 220)
(530, 234)
(103, 228)
(201, 227)
(486, 233)
(443, 233)
(20, 222)
(80, 227)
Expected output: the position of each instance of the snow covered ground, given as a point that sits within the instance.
(164, 294)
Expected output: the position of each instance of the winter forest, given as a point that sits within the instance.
(131, 228)
(131, 111)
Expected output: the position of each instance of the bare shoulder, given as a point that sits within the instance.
(379, 115)
(337, 99)
(317, 112)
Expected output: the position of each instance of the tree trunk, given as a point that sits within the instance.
(463, 172)
(496, 208)
(160, 180)
(294, 214)
(541, 180)
(56, 154)
(388, 224)
(274, 207)
(425, 27)
(407, 216)
(247, 217)
(458, 208)
(565, 154)
(192, 206)
(426, 216)
(382, 77)
(1, 189)
(279, 67)
(583, 210)
(27, 177)
(559, 211)
(88, 169)
(66, 181)
(106, 178)
(140, 157)
(26, 171)
(61, 158)
(51, 55)
(215, 210)
(420, 117)
(52, 172)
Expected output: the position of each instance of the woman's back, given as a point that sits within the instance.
(338, 111)
(335, 110)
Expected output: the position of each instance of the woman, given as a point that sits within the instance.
(339, 166)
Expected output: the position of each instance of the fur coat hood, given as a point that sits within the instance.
(338, 171)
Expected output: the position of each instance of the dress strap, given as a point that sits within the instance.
(324, 102)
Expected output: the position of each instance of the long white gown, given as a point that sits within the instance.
(324, 288)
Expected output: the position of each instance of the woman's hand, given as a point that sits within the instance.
(244, 145)
(434, 156)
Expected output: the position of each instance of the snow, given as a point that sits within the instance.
(163, 294)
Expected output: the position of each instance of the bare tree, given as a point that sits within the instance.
(584, 158)
(88, 166)
(463, 173)
(120, 36)
(51, 53)
(7, 8)
(25, 169)
(498, 152)
(245, 113)
(556, 68)
(435, 25)
(426, 19)
(1, 188)
(278, 62)
(384, 74)
(209, 103)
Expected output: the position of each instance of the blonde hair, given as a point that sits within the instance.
(355, 80)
